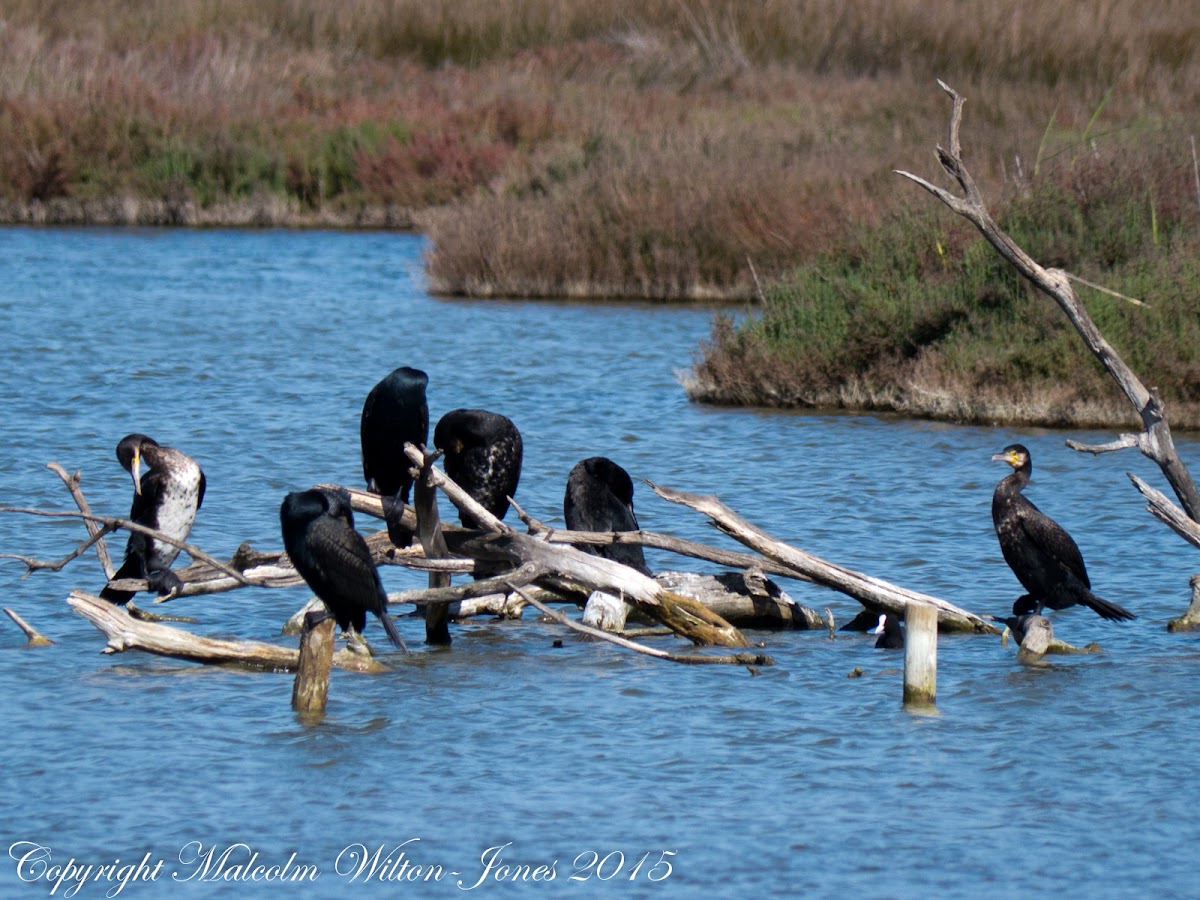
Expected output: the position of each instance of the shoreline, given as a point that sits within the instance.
(260, 212)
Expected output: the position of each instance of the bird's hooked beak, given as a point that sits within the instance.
(1009, 457)
(135, 469)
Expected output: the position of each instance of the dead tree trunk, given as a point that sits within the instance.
(1155, 440)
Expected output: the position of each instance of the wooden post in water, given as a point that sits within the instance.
(920, 654)
(1039, 634)
(310, 690)
(429, 530)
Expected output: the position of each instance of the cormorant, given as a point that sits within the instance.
(320, 540)
(599, 497)
(394, 413)
(891, 635)
(1041, 554)
(483, 455)
(165, 498)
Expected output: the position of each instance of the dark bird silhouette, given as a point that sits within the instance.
(394, 413)
(1041, 554)
(891, 635)
(166, 498)
(482, 453)
(599, 497)
(320, 540)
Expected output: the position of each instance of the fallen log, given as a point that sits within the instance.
(874, 593)
(127, 633)
(743, 659)
(747, 599)
(681, 614)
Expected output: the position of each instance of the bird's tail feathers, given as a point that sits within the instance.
(1105, 608)
(130, 568)
(393, 635)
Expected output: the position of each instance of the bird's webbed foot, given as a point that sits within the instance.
(165, 583)
(357, 644)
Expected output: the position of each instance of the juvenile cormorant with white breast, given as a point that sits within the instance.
(482, 453)
(891, 635)
(1041, 554)
(599, 497)
(332, 557)
(166, 498)
(395, 413)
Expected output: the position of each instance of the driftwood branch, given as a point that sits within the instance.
(127, 633)
(1160, 506)
(743, 659)
(683, 547)
(873, 593)
(96, 531)
(113, 522)
(681, 614)
(1155, 441)
(35, 637)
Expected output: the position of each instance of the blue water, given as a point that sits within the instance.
(253, 351)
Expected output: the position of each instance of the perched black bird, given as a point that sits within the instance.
(165, 498)
(320, 540)
(394, 413)
(483, 455)
(1039, 551)
(891, 635)
(599, 497)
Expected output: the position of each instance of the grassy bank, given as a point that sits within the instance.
(921, 315)
(622, 148)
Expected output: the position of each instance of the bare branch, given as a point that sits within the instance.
(112, 523)
(740, 659)
(1157, 442)
(871, 592)
(1124, 442)
(72, 483)
(36, 638)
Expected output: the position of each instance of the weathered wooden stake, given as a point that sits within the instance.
(920, 654)
(1039, 635)
(310, 690)
(433, 542)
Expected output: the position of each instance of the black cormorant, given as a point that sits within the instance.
(320, 540)
(394, 413)
(483, 455)
(165, 498)
(891, 635)
(599, 497)
(1041, 554)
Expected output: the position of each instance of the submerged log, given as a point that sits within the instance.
(874, 593)
(743, 659)
(681, 614)
(127, 633)
(33, 637)
(746, 599)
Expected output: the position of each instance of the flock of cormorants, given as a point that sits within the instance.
(482, 454)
